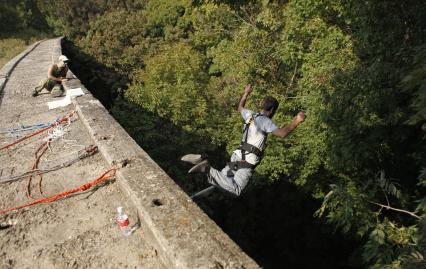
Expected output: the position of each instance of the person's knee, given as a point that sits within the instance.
(57, 92)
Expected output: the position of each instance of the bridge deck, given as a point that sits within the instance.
(76, 232)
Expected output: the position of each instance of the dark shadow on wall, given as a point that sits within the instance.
(104, 83)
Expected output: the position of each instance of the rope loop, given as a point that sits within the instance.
(105, 176)
(66, 118)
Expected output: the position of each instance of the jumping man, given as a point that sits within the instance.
(235, 175)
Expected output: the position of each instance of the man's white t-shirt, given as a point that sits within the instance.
(255, 135)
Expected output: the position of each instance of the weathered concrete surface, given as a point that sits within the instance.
(76, 232)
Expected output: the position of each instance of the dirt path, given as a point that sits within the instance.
(75, 232)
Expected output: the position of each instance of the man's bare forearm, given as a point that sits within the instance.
(242, 102)
(285, 131)
(247, 91)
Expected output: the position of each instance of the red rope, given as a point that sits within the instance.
(64, 119)
(107, 175)
(43, 147)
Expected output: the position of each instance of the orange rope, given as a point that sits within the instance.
(107, 175)
(43, 147)
(64, 119)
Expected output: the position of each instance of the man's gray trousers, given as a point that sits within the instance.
(234, 184)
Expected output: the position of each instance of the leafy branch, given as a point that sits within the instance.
(395, 209)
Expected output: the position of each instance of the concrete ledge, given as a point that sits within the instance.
(8, 68)
(185, 236)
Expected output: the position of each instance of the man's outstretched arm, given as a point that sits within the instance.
(285, 131)
(247, 91)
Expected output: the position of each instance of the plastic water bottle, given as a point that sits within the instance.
(123, 222)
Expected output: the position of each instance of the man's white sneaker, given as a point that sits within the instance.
(192, 158)
(202, 167)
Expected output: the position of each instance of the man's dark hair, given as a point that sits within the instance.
(270, 104)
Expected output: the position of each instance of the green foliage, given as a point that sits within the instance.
(72, 18)
(343, 64)
(415, 83)
(347, 208)
(168, 18)
(173, 87)
(21, 16)
(389, 246)
(9, 17)
(118, 40)
(212, 24)
(14, 44)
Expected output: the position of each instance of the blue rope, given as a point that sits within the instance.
(26, 128)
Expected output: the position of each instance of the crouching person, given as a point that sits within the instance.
(56, 74)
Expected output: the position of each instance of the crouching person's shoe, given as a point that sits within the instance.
(34, 93)
(202, 167)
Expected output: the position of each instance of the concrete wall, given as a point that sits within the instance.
(184, 234)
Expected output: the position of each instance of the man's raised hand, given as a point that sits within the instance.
(248, 89)
(300, 117)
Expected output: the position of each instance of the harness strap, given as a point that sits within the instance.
(234, 166)
(244, 146)
(245, 133)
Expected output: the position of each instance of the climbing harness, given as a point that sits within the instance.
(235, 166)
(245, 146)
(102, 178)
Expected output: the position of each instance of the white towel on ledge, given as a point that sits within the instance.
(67, 99)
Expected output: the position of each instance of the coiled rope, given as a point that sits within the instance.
(66, 118)
(26, 128)
(105, 176)
(82, 154)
